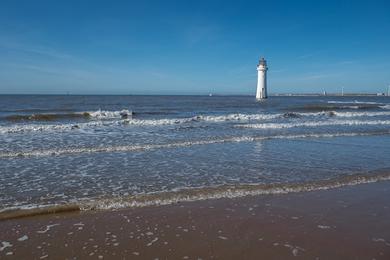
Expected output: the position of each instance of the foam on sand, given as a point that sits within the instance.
(199, 194)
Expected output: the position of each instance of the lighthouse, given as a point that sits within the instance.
(261, 92)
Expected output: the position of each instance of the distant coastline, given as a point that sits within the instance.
(331, 94)
(213, 95)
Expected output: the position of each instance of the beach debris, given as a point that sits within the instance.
(152, 242)
(381, 240)
(4, 245)
(323, 227)
(48, 227)
(222, 237)
(23, 238)
(294, 249)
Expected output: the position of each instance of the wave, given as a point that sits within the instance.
(359, 114)
(334, 114)
(146, 147)
(118, 118)
(100, 114)
(134, 122)
(46, 117)
(329, 107)
(197, 194)
(103, 114)
(202, 118)
(36, 110)
(315, 124)
(48, 127)
(354, 102)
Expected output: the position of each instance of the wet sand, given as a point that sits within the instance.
(345, 223)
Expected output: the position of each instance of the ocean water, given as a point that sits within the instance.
(102, 152)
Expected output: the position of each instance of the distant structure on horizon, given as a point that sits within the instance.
(261, 92)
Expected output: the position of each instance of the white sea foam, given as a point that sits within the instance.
(315, 124)
(49, 127)
(361, 114)
(203, 118)
(201, 193)
(198, 194)
(145, 147)
(104, 114)
(135, 122)
(111, 115)
(354, 102)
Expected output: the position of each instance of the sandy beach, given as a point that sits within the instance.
(344, 223)
(195, 130)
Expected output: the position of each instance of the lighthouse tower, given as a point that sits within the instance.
(262, 68)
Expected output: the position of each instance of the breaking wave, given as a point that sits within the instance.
(100, 114)
(196, 194)
(359, 114)
(146, 147)
(348, 106)
(354, 102)
(315, 124)
(124, 117)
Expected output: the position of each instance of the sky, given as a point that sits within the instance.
(193, 47)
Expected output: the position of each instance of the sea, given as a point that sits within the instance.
(107, 152)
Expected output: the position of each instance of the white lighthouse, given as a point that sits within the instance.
(261, 92)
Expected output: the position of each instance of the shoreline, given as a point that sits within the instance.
(341, 223)
(199, 194)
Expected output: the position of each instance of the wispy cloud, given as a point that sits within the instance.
(346, 62)
(276, 71)
(310, 55)
(32, 48)
(200, 33)
(315, 76)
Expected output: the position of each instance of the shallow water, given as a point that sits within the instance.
(80, 149)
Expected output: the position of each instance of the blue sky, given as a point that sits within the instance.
(193, 47)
